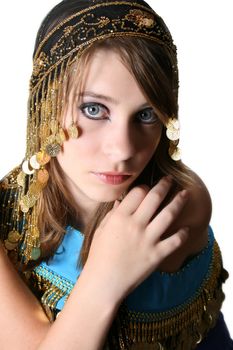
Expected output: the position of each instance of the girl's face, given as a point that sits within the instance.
(118, 133)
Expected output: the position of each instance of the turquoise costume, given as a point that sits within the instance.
(158, 293)
(170, 310)
(167, 311)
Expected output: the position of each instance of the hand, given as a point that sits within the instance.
(128, 245)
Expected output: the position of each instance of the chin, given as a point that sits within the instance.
(106, 196)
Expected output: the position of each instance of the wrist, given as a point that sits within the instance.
(102, 289)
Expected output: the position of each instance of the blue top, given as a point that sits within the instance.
(159, 292)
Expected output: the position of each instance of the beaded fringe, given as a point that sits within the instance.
(181, 328)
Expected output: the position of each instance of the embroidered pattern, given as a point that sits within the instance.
(141, 18)
(96, 23)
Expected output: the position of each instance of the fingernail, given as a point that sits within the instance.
(117, 203)
(184, 194)
(168, 178)
(186, 229)
(184, 232)
(144, 186)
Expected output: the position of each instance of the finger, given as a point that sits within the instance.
(116, 204)
(158, 226)
(133, 199)
(169, 245)
(153, 200)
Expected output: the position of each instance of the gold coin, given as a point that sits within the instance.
(9, 245)
(35, 189)
(35, 253)
(24, 209)
(173, 134)
(53, 149)
(21, 178)
(43, 176)
(173, 123)
(33, 162)
(175, 154)
(27, 168)
(28, 200)
(14, 236)
(42, 158)
(73, 132)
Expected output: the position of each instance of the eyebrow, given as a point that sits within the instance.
(104, 97)
(100, 96)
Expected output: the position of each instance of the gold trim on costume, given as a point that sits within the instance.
(89, 9)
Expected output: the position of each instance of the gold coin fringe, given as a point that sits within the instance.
(173, 134)
(24, 185)
(21, 189)
(45, 137)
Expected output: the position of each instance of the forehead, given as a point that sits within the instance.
(107, 74)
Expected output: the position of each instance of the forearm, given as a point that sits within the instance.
(82, 324)
(23, 322)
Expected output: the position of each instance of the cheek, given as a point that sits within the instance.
(68, 154)
(76, 151)
(151, 143)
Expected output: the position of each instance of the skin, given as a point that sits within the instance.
(130, 238)
(120, 142)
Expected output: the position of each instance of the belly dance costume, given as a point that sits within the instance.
(179, 311)
(167, 311)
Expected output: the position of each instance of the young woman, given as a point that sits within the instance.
(107, 229)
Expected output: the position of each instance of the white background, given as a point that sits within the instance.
(202, 31)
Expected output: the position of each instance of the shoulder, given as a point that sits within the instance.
(196, 215)
(198, 209)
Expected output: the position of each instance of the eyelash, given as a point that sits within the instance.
(84, 106)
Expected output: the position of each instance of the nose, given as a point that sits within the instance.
(120, 142)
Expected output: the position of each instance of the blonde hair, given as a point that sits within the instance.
(153, 71)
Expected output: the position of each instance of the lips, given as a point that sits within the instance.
(112, 178)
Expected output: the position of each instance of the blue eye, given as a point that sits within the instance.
(94, 111)
(147, 116)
